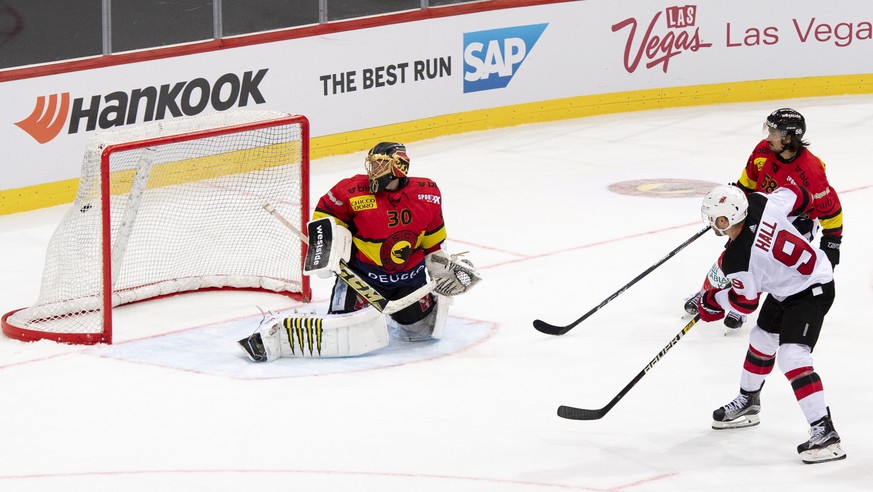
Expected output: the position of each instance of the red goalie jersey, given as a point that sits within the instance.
(392, 230)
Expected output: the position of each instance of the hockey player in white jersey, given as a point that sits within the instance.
(767, 254)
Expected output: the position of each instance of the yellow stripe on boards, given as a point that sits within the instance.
(50, 194)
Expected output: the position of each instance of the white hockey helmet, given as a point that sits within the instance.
(724, 201)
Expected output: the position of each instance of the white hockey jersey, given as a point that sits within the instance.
(770, 255)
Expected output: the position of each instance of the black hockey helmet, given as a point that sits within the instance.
(386, 162)
(788, 121)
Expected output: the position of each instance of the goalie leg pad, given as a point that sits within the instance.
(442, 314)
(431, 326)
(333, 335)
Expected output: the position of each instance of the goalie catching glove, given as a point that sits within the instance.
(329, 244)
(452, 276)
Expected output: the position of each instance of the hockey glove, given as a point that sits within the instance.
(831, 247)
(805, 226)
(452, 275)
(708, 307)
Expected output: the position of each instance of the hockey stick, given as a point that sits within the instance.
(574, 413)
(549, 329)
(359, 284)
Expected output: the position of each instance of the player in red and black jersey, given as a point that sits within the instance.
(783, 158)
(395, 220)
(381, 231)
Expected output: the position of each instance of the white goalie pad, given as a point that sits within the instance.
(329, 243)
(333, 335)
(430, 327)
(442, 314)
(452, 276)
(305, 335)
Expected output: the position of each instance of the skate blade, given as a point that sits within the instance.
(737, 423)
(833, 452)
(729, 332)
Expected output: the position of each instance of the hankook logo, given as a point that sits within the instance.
(51, 113)
(46, 121)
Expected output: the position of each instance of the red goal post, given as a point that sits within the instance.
(170, 207)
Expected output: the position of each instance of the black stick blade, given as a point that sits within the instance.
(574, 413)
(548, 329)
(543, 327)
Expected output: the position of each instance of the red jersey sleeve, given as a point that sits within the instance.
(335, 203)
(752, 172)
(827, 207)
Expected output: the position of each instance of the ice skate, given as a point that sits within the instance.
(691, 303)
(823, 444)
(263, 345)
(742, 412)
(253, 346)
(734, 320)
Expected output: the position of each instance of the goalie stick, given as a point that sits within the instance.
(574, 413)
(356, 282)
(550, 329)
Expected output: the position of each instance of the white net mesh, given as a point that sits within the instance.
(183, 214)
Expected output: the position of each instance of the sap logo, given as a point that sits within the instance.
(492, 58)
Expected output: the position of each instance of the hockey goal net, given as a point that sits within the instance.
(169, 207)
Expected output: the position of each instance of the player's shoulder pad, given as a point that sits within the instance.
(757, 201)
(762, 148)
(425, 183)
(358, 184)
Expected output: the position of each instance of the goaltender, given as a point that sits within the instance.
(387, 228)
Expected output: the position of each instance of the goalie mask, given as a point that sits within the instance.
(386, 162)
(724, 201)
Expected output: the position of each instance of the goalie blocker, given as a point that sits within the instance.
(329, 244)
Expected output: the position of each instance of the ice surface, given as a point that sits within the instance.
(174, 406)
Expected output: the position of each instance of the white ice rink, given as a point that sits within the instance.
(174, 406)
